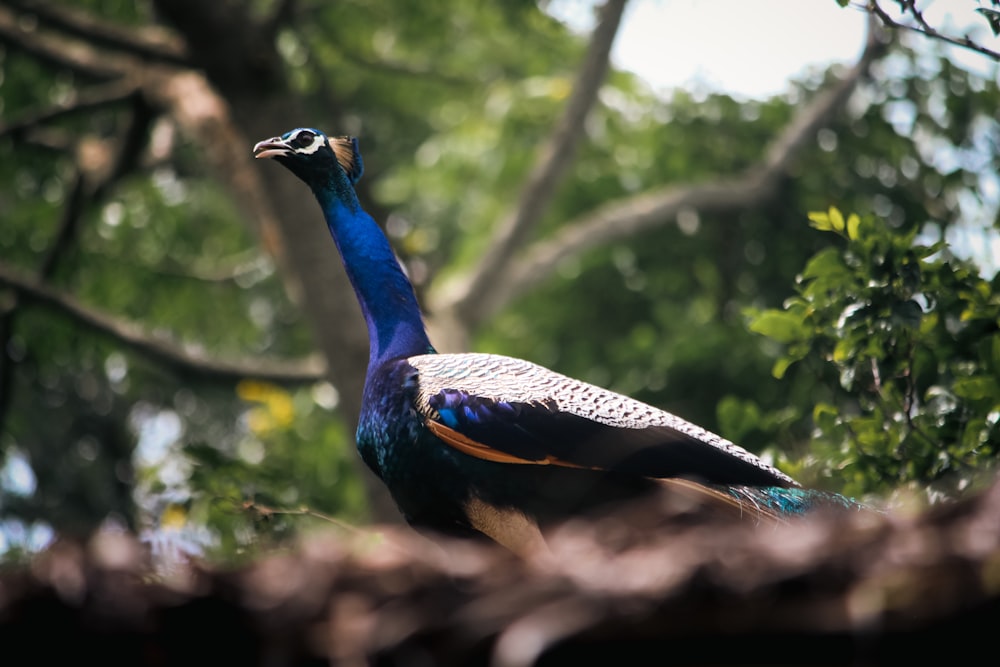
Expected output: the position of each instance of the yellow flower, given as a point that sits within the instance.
(276, 409)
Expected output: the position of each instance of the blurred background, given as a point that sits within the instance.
(775, 219)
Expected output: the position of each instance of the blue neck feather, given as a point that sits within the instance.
(395, 324)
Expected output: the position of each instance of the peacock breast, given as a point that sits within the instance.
(388, 425)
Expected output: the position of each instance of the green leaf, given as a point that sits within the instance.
(780, 325)
(824, 414)
(928, 322)
(907, 314)
(781, 366)
(820, 221)
(843, 350)
(826, 263)
(977, 387)
(992, 17)
(836, 219)
(853, 224)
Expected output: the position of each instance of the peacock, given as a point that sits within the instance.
(489, 445)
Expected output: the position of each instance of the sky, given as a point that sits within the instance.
(749, 49)
(752, 48)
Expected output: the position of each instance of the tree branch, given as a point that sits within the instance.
(159, 349)
(473, 296)
(97, 97)
(96, 173)
(246, 264)
(629, 216)
(47, 139)
(924, 28)
(56, 49)
(68, 225)
(149, 42)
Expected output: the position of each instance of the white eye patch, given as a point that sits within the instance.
(299, 142)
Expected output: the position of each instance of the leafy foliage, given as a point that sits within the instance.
(236, 492)
(911, 334)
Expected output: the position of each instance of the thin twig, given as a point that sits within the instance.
(365, 533)
(266, 512)
(924, 28)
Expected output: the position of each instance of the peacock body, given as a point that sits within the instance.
(482, 443)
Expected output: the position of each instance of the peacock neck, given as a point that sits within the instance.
(395, 324)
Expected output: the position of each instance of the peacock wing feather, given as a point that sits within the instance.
(512, 411)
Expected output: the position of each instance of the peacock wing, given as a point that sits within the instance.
(512, 411)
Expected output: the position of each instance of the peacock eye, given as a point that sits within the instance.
(303, 139)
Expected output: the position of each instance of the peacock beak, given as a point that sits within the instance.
(272, 147)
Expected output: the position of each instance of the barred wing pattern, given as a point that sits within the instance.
(508, 409)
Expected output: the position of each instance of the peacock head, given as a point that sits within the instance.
(314, 157)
